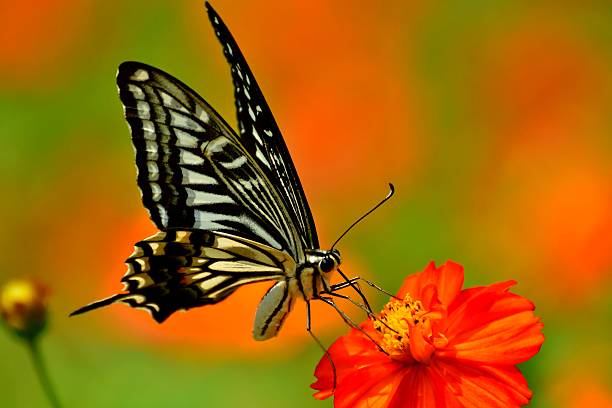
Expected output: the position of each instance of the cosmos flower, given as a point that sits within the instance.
(443, 347)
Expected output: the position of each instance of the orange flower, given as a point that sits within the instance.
(445, 347)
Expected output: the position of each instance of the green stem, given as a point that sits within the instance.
(43, 375)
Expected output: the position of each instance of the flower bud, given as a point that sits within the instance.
(23, 307)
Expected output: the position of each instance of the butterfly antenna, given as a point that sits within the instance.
(384, 200)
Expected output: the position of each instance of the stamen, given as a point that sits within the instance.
(394, 323)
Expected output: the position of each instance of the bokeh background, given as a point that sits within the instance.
(492, 118)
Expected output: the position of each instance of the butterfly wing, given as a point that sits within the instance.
(193, 170)
(181, 269)
(261, 136)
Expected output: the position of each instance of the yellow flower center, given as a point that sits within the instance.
(394, 323)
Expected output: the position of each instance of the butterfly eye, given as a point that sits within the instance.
(327, 264)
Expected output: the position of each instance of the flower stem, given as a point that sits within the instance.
(43, 375)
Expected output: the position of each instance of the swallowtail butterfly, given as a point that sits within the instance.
(230, 207)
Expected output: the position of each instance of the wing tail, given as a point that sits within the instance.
(100, 303)
(160, 312)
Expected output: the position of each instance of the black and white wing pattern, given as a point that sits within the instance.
(261, 136)
(230, 207)
(193, 171)
(222, 219)
(181, 269)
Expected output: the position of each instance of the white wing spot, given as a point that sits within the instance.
(184, 122)
(169, 100)
(163, 214)
(214, 253)
(267, 132)
(196, 198)
(203, 116)
(140, 75)
(153, 171)
(212, 282)
(241, 266)
(149, 135)
(148, 126)
(256, 136)
(190, 158)
(215, 146)
(138, 252)
(251, 113)
(141, 281)
(156, 190)
(193, 177)
(157, 248)
(229, 49)
(140, 299)
(199, 275)
(262, 158)
(246, 92)
(153, 306)
(151, 149)
(136, 91)
(234, 164)
(210, 220)
(239, 72)
(185, 139)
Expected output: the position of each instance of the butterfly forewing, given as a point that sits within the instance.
(261, 136)
(192, 169)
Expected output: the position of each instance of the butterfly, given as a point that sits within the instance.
(229, 206)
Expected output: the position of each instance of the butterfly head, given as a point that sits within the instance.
(325, 262)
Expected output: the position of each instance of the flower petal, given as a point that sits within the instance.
(420, 348)
(450, 281)
(349, 353)
(485, 386)
(492, 325)
(413, 283)
(419, 389)
(447, 281)
(371, 386)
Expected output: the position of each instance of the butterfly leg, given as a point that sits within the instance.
(342, 285)
(353, 284)
(371, 315)
(378, 288)
(361, 306)
(327, 354)
(349, 321)
(355, 281)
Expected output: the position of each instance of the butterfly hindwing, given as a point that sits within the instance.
(261, 136)
(180, 269)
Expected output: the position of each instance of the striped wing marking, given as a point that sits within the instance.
(181, 186)
(180, 269)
